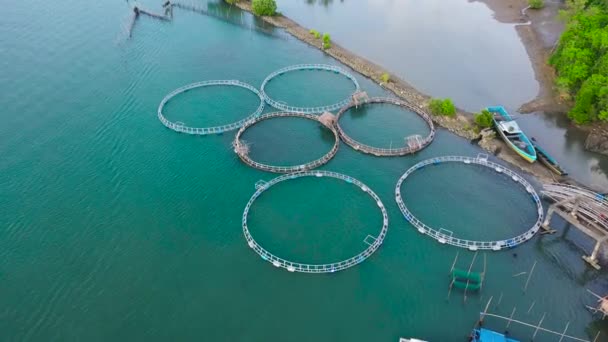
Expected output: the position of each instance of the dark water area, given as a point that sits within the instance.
(115, 228)
(455, 49)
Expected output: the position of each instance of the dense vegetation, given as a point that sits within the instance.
(442, 107)
(231, 2)
(315, 33)
(581, 60)
(264, 7)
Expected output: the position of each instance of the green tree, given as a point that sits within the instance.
(442, 107)
(483, 119)
(326, 41)
(264, 7)
(536, 4)
(581, 59)
(385, 78)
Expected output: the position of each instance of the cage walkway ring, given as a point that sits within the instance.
(444, 236)
(241, 148)
(308, 110)
(182, 128)
(414, 143)
(291, 266)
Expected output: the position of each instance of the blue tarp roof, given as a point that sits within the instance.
(492, 336)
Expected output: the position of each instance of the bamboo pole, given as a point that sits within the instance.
(529, 276)
(511, 318)
(531, 306)
(538, 326)
(564, 333)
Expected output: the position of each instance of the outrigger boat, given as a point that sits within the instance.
(547, 160)
(511, 133)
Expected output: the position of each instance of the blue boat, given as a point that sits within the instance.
(511, 133)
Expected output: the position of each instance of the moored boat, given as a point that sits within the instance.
(550, 162)
(511, 133)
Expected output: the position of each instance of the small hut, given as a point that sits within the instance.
(241, 147)
(359, 97)
(327, 119)
(414, 142)
(601, 307)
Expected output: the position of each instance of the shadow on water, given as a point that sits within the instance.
(358, 112)
(326, 135)
(324, 3)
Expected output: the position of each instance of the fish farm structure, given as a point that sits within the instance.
(310, 67)
(241, 148)
(413, 143)
(372, 242)
(445, 236)
(180, 127)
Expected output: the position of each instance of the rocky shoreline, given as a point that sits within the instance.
(462, 124)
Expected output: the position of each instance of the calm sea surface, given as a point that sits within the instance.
(114, 228)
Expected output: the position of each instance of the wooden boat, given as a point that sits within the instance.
(547, 160)
(511, 133)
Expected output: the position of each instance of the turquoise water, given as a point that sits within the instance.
(115, 228)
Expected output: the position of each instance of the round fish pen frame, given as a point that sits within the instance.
(417, 145)
(308, 110)
(372, 242)
(444, 236)
(182, 128)
(242, 149)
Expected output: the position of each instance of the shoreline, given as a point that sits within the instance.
(462, 124)
(539, 32)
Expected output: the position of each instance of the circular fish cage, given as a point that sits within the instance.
(241, 148)
(182, 128)
(414, 143)
(372, 242)
(308, 110)
(444, 236)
